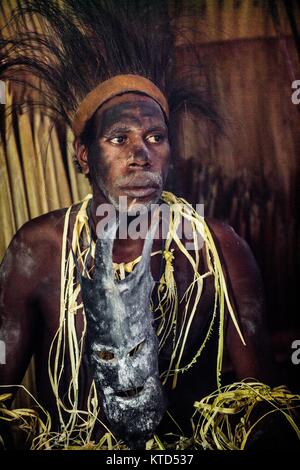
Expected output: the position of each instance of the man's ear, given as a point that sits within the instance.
(81, 153)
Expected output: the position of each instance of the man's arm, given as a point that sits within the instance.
(246, 292)
(255, 360)
(18, 310)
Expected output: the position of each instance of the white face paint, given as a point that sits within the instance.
(122, 345)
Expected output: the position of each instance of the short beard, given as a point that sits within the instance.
(138, 208)
(101, 186)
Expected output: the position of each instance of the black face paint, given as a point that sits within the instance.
(122, 345)
(108, 162)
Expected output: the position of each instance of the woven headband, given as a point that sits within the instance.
(115, 86)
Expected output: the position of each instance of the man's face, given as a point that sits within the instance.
(131, 151)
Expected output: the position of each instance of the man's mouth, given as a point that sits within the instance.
(139, 191)
(138, 186)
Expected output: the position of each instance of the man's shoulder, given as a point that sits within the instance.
(223, 233)
(37, 242)
(46, 228)
(234, 251)
(34, 250)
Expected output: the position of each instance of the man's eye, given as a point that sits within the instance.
(120, 139)
(106, 355)
(155, 138)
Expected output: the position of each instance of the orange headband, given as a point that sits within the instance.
(112, 87)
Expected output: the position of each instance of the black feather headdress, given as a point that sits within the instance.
(63, 49)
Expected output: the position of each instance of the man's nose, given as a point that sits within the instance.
(139, 156)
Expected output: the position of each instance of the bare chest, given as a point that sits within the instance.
(50, 288)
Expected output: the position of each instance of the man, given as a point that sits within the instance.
(122, 145)
(129, 156)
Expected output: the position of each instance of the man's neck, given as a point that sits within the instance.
(96, 216)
